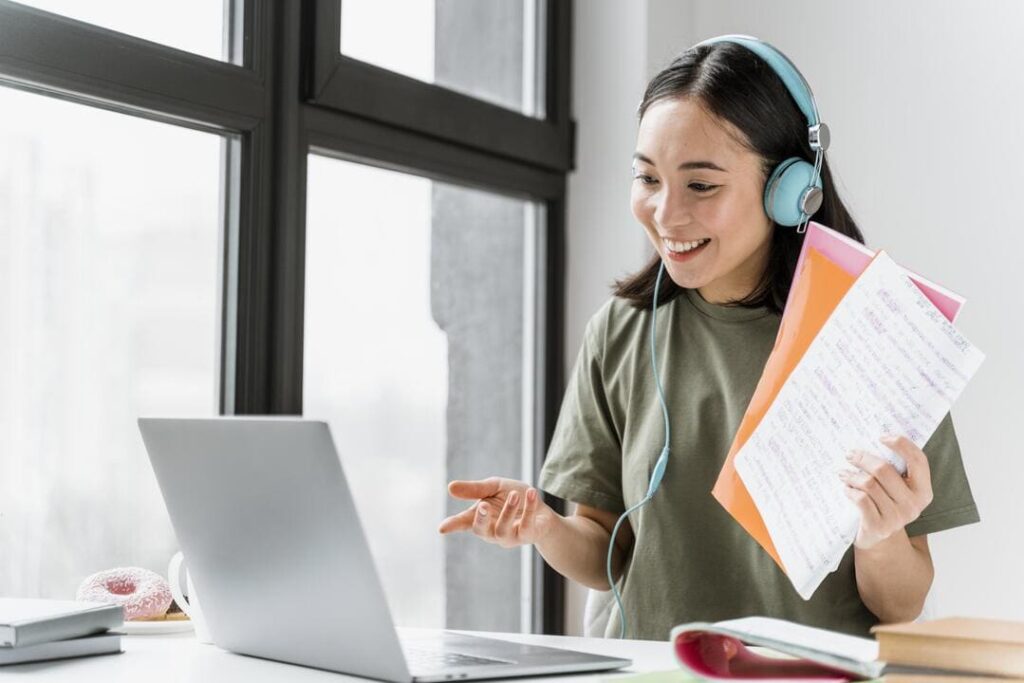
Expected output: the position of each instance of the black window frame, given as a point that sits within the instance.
(341, 83)
(293, 93)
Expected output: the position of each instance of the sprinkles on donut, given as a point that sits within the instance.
(143, 594)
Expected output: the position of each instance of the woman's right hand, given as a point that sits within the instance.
(507, 512)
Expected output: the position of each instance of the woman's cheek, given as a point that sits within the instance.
(638, 204)
(711, 210)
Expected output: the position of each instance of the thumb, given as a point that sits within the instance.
(480, 488)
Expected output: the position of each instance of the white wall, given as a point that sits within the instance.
(923, 98)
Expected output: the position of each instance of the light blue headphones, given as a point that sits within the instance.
(791, 196)
(793, 191)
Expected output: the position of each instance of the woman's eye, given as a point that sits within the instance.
(645, 179)
(701, 187)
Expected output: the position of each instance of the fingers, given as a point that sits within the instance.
(884, 507)
(876, 473)
(869, 514)
(483, 522)
(505, 513)
(919, 477)
(462, 521)
(509, 512)
(480, 488)
(870, 518)
(889, 491)
(887, 501)
(527, 525)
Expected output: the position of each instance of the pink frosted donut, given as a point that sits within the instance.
(141, 592)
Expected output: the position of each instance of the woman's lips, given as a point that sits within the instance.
(686, 256)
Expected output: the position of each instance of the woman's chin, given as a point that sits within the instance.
(687, 280)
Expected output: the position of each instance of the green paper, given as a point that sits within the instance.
(671, 676)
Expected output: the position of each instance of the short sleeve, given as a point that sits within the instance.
(952, 503)
(584, 461)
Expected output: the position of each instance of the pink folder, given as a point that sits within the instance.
(854, 257)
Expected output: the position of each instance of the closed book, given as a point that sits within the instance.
(104, 643)
(28, 621)
(961, 644)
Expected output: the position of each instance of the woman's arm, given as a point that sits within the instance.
(577, 546)
(893, 576)
(894, 572)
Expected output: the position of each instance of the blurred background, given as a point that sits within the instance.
(398, 215)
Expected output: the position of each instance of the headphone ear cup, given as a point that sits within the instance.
(785, 189)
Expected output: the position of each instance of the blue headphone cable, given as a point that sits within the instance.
(659, 466)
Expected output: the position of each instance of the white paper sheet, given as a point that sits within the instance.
(885, 362)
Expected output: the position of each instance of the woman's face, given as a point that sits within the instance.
(693, 181)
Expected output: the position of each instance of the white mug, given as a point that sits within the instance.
(189, 606)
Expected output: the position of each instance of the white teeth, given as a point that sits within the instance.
(683, 247)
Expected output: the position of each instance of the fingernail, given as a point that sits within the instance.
(483, 510)
(513, 498)
(888, 439)
(531, 495)
(851, 456)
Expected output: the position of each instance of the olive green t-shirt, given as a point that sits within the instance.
(691, 561)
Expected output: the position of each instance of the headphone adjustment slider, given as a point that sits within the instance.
(819, 136)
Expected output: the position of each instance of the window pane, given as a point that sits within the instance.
(485, 49)
(108, 311)
(416, 338)
(191, 25)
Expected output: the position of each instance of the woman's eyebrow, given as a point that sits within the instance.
(686, 165)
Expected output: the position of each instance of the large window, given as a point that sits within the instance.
(232, 207)
(488, 50)
(417, 342)
(191, 25)
(109, 306)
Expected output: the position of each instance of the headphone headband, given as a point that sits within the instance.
(796, 84)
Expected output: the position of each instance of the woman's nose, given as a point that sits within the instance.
(671, 208)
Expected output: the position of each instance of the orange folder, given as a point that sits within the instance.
(829, 264)
(817, 289)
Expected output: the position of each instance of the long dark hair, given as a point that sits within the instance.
(736, 85)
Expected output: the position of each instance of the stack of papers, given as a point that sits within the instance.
(865, 348)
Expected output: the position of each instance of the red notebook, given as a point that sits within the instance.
(719, 651)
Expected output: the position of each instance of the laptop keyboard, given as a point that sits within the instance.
(429, 659)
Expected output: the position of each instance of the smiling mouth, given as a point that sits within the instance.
(677, 247)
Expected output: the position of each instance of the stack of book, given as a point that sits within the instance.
(33, 630)
(952, 649)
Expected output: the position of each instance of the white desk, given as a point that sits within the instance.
(179, 658)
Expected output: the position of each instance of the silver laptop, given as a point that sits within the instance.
(264, 515)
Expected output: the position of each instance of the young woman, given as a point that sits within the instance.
(713, 125)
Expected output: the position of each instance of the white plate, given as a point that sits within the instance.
(142, 628)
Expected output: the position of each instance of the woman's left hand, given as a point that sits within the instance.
(886, 500)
